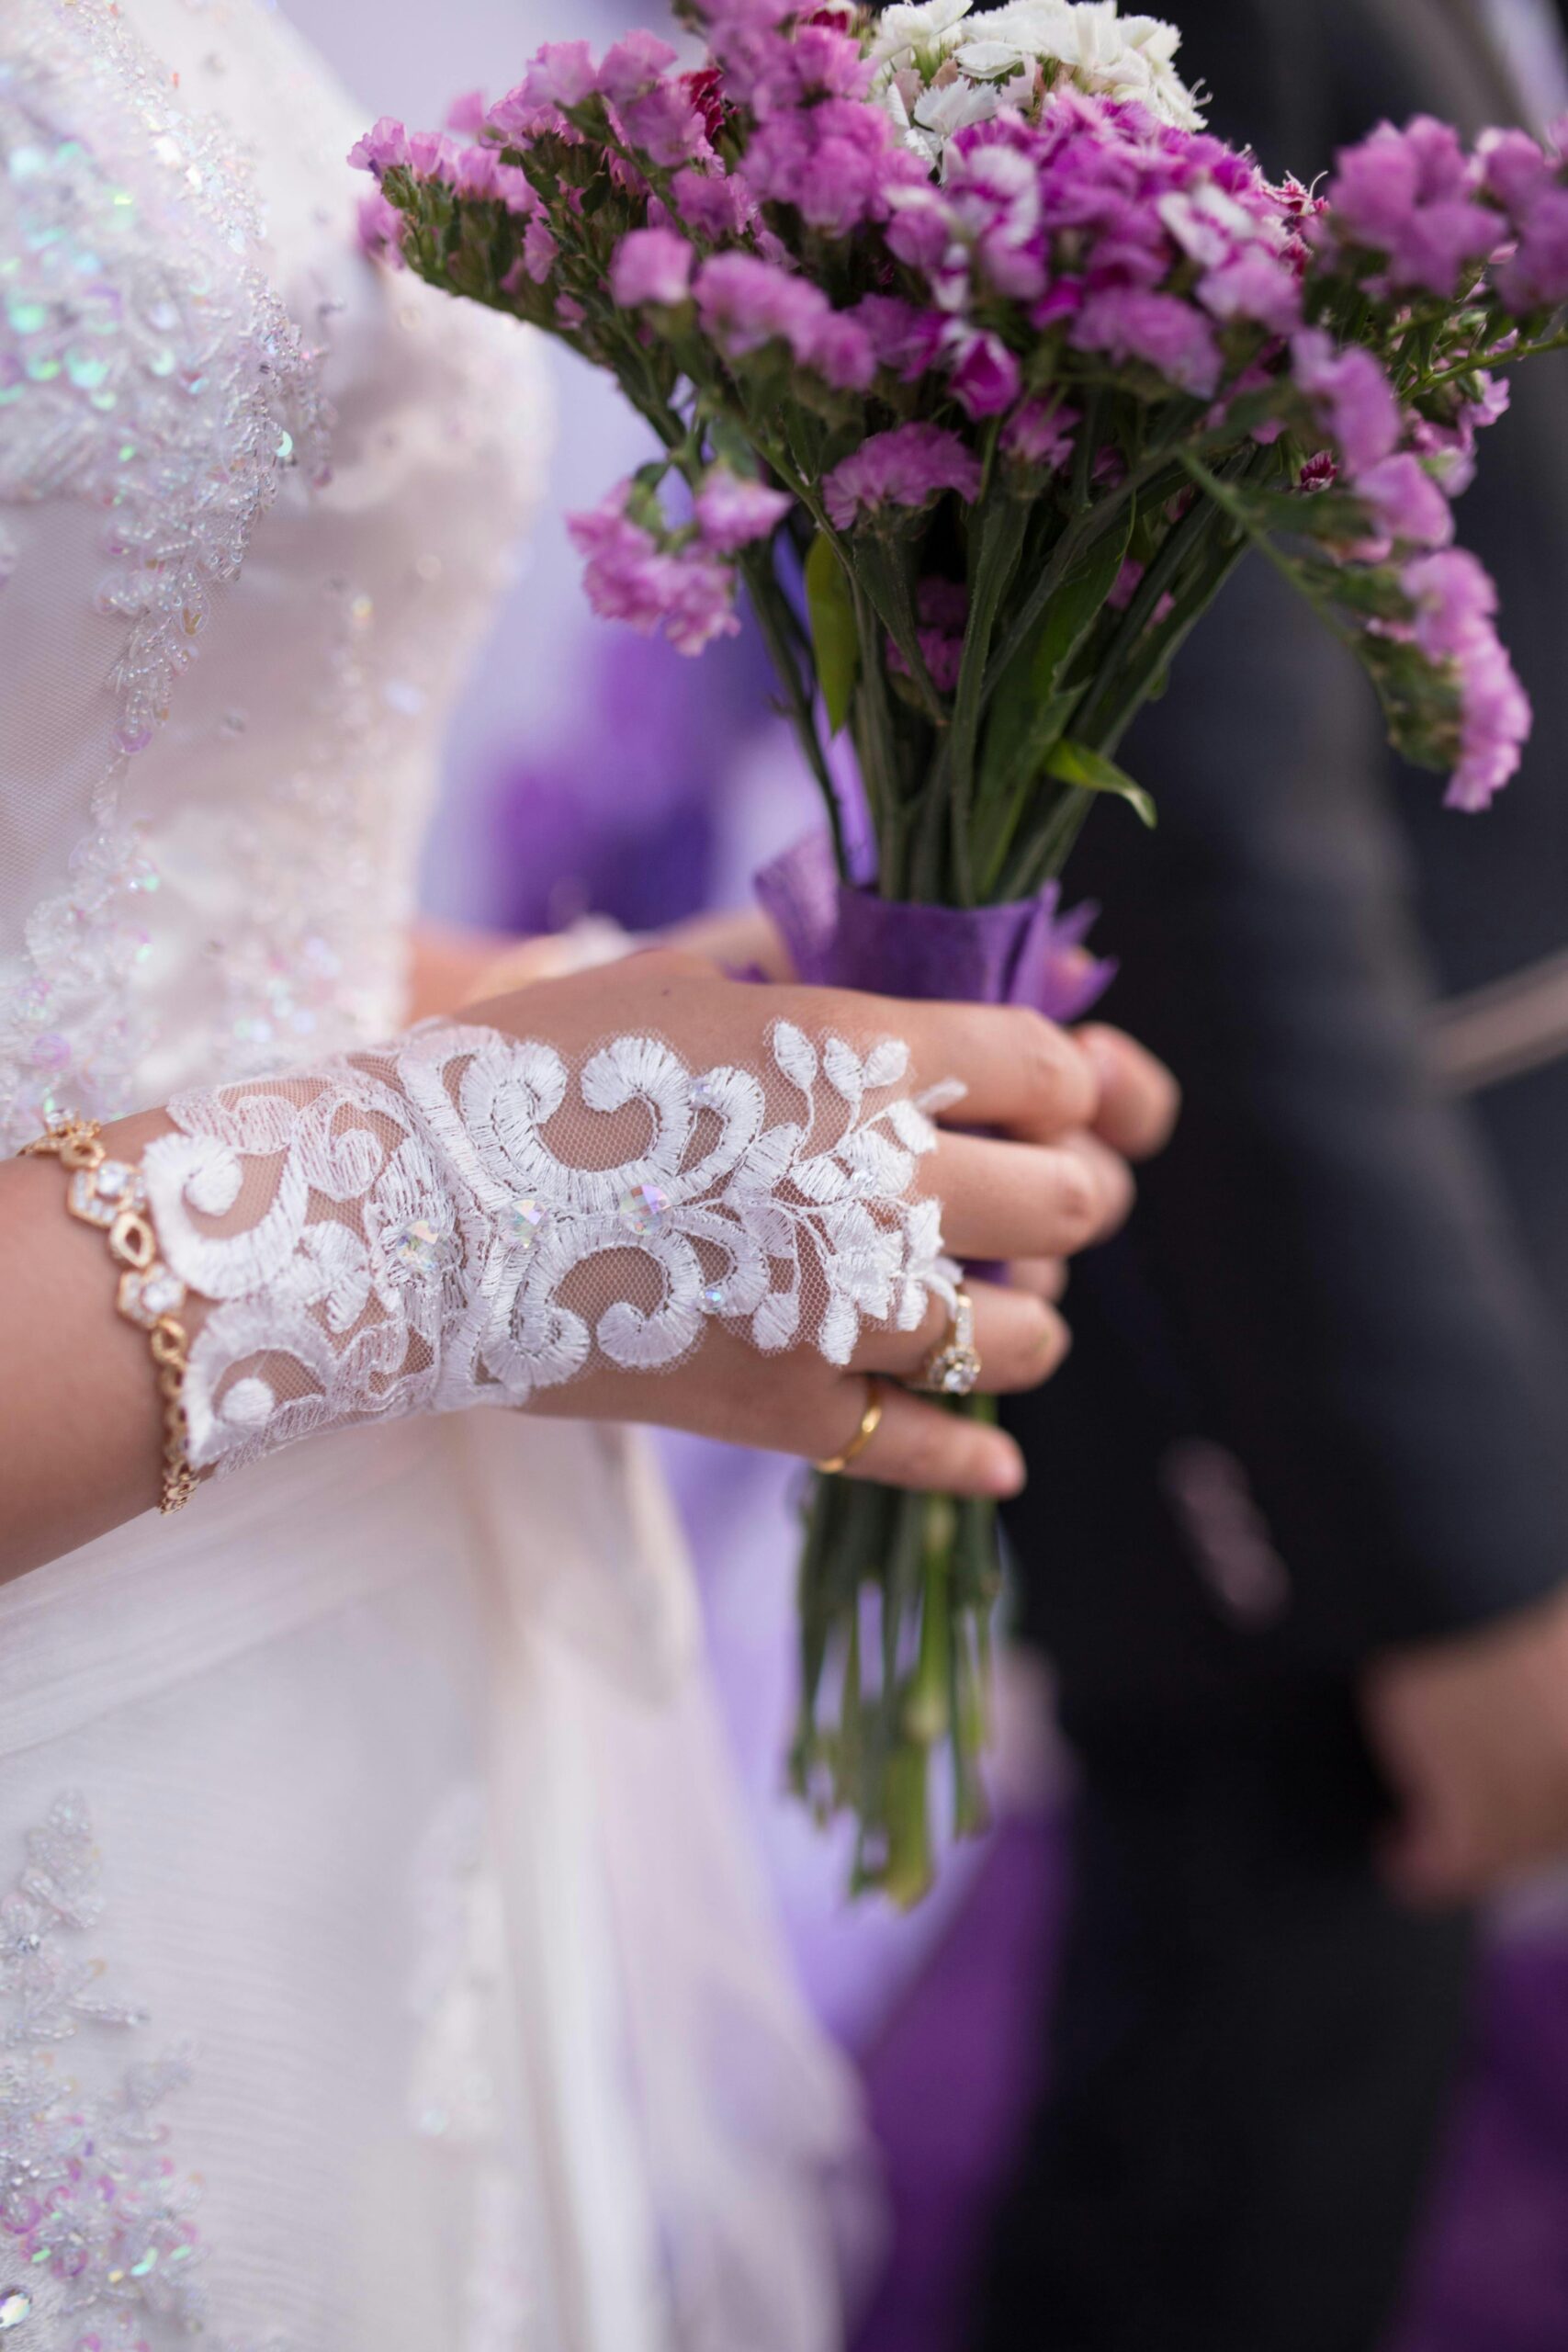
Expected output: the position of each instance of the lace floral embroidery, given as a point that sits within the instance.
(147, 369)
(98, 2246)
(456, 1219)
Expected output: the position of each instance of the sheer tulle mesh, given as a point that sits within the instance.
(461, 1219)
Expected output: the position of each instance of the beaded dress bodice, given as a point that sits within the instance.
(255, 496)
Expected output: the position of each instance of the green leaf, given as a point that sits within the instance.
(834, 641)
(1073, 762)
(1031, 709)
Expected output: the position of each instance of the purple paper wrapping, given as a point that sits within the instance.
(843, 936)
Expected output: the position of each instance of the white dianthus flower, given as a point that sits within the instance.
(917, 35)
(1087, 41)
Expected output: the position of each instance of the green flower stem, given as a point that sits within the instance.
(1001, 535)
(769, 603)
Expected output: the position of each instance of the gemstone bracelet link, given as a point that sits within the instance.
(109, 1193)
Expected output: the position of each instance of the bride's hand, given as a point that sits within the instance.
(1049, 1176)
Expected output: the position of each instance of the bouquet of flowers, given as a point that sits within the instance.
(980, 365)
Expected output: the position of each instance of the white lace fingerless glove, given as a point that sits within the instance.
(457, 1218)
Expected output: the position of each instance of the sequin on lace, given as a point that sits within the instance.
(147, 368)
(98, 2247)
(455, 1218)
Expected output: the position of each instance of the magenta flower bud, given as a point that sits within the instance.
(985, 377)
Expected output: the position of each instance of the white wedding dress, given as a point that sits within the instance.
(382, 1968)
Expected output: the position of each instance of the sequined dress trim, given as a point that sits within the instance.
(147, 369)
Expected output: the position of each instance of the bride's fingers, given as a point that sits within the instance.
(1139, 1099)
(1019, 1339)
(1012, 1200)
(1019, 1073)
(1044, 1278)
(922, 1445)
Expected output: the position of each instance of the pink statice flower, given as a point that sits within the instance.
(717, 205)
(834, 162)
(910, 467)
(1162, 330)
(688, 591)
(1409, 196)
(1455, 603)
(733, 511)
(1405, 501)
(665, 125)
(1535, 275)
(1254, 285)
(380, 226)
(902, 337)
(383, 148)
(540, 252)
(478, 170)
(943, 608)
(745, 304)
(1352, 396)
(465, 114)
(1039, 433)
(651, 265)
(561, 74)
(632, 67)
(1126, 586)
(1514, 169)
(431, 156)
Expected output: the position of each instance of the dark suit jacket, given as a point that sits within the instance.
(1319, 1401)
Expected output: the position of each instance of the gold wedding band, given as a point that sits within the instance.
(870, 1422)
(953, 1369)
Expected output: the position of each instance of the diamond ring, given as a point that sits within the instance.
(953, 1368)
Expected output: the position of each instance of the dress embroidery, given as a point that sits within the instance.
(147, 368)
(455, 1220)
(98, 2244)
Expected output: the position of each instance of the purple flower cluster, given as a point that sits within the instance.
(745, 304)
(1431, 217)
(1141, 242)
(1409, 196)
(641, 572)
(910, 467)
(1454, 603)
(1531, 187)
(468, 170)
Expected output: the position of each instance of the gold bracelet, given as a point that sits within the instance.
(110, 1195)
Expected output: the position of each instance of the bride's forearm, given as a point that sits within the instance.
(79, 1404)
